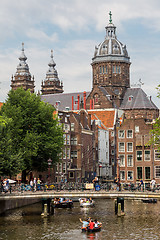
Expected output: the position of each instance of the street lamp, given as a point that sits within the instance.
(100, 166)
(118, 167)
(49, 170)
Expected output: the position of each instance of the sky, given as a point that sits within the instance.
(72, 28)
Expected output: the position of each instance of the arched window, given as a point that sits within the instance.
(96, 98)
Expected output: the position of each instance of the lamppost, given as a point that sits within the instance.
(118, 168)
(49, 170)
(100, 166)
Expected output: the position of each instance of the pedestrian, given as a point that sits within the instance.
(38, 184)
(153, 184)
(35, 184)
(141, 185)
(118, 185)
(31, 184)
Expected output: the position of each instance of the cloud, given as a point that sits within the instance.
(72, 28)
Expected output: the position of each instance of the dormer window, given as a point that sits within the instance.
(130, 98)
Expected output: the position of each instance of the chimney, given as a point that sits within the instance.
(78, 102)
(93, 103)
(90, 103)
(84, 96)
(72, 103)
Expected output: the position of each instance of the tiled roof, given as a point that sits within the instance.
(106, 116)
(136, 98)
(63, 100)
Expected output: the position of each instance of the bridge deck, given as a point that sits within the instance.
(78, 194)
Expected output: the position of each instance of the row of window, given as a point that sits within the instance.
(115, 69)
(139, 153)
(129, 133)
(68, 141)
(147, 173)
(121, 146)
(68, 127)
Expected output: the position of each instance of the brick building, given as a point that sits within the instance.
(77, 162)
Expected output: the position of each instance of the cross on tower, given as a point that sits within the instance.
(110, 15)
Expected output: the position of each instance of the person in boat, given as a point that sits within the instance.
(91, 225)
(85, 223)
(96, 223)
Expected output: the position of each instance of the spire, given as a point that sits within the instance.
(110, 28)
(110, 15)
(22, 56)
(51, 63)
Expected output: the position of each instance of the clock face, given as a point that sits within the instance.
(116, 91)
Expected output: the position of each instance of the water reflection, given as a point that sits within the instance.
(140, 222)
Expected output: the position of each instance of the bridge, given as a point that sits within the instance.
(13, 200)
(77, 194)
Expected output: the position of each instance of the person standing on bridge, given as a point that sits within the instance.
(35, 184)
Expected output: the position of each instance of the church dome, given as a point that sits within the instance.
(111, 49)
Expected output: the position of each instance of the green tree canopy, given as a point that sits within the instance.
(30, 135)
(155, 133)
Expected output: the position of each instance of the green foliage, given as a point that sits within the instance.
(30, 136)
(155, 133)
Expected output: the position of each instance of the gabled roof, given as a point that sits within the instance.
(106, 94)
(63, 100)
(106, 116)
(136, 98)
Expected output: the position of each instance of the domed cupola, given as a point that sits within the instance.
(111, 66)
(111, 49)
(22, 77)
(51, 84)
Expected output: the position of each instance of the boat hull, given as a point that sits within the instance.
(98, 229)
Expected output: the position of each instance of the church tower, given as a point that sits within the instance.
(51, 84)
(22, 77)
(111, 71)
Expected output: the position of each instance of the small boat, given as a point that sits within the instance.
(62, 203)
(85, 202)
(149, 200)
(97, 229)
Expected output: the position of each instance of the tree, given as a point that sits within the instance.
(32, 135)
(155, 132)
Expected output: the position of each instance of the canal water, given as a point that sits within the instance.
(141, 222)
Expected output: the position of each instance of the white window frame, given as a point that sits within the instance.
(128, 178)
(141, 155)
(136, 129)
(68, 153)
(129, 133)
(156, 155)
(68, 139)
(122, 176)
(72, 127)
(129, 160)
(112, 133)
(119, 148)
(122, 160)
(157, 171)
(121, 133)
(146, 158)
(128, 146)
(70, 175)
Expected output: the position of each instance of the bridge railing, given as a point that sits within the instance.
(72, 186)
